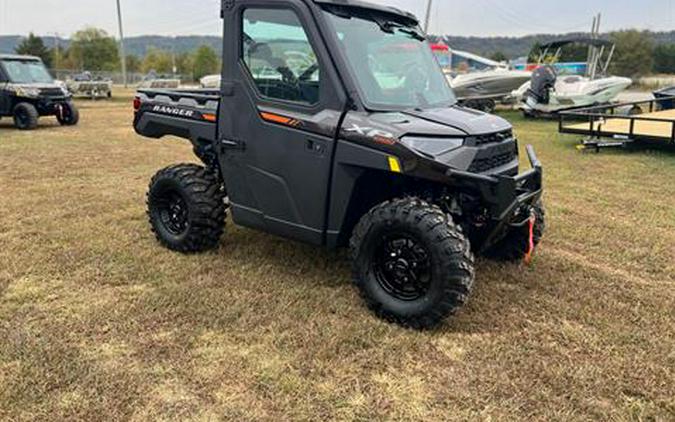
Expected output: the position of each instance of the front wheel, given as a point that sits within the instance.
(25, 116)
(67, 114)
(186, 208)
(411, 263)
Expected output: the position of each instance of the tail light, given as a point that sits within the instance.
(137, 103)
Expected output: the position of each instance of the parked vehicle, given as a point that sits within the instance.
(86, 85)
(28, 92)
(550, 92)
(361, 144)
(666, 97)
(155, 81)
(210, 81)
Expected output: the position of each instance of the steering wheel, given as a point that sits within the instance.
(308, 72)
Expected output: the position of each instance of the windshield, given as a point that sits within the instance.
(27, 72)
(393, 63)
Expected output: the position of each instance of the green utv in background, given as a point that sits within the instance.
(335, 126)
(28, 92)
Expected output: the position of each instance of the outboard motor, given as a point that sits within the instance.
(543, 80)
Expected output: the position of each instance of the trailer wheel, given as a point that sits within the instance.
(411, 263)
(68, 114)
(25, 116)
(516, 245)
(186, 208)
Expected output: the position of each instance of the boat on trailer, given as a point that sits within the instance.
(550, 92)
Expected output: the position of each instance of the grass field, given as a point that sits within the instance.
(97, 322)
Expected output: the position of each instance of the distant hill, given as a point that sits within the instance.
(137, 46)
(512, 47)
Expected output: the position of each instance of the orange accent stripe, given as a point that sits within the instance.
(209, 117)
(275, 118)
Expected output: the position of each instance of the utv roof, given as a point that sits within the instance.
(17, 57)
(358, 4)
(596, 42)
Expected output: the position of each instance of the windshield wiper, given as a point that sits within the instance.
(390, 26)
(414, 33)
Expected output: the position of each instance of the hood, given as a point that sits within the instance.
(38, 86)
(457, 118)
(449, 122)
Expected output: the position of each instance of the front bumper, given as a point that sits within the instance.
(48, 106)
(507, 199)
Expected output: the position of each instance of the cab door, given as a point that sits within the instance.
(279, 114)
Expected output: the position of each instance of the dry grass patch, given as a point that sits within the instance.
(98, 322)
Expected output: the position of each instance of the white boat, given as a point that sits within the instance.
(549, 92)
(495, 84)
(478, 82)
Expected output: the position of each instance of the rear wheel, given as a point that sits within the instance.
(516, 245)
(67, 114)
(26, 116)
(411, 263)
(186, 208)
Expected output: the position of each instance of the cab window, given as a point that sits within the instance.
(279, 57)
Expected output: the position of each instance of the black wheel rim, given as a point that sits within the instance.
(173, 213)
(403, 267)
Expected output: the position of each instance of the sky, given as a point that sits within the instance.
(452, 17)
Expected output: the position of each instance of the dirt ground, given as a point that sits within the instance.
(97, 322)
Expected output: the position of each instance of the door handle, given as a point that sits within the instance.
(232, 144)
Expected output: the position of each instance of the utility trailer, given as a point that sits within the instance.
(619, 125)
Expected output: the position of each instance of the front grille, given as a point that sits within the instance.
(482, 165)
(491, 138)
(51, 92)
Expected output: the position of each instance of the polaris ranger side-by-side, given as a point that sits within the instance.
(335, 126)
(28, 91)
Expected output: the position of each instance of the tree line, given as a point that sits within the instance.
(93, 49)
(637, 52)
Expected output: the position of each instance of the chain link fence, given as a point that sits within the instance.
(133, 78)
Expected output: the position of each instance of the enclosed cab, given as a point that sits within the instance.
(335, 126)
(28, 92)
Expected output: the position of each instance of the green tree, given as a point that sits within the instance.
(206, 62)
(634, 53)
(133, 63)
(185, 65)
(664, 58)
(93, 49)
(158, 60)
(34, 46)
(498, 56)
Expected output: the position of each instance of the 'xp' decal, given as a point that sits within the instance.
(369, 131)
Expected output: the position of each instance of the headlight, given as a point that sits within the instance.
(432, 146)
(27, 92)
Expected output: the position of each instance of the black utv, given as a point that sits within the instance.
(335, 126)
(28, 91)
